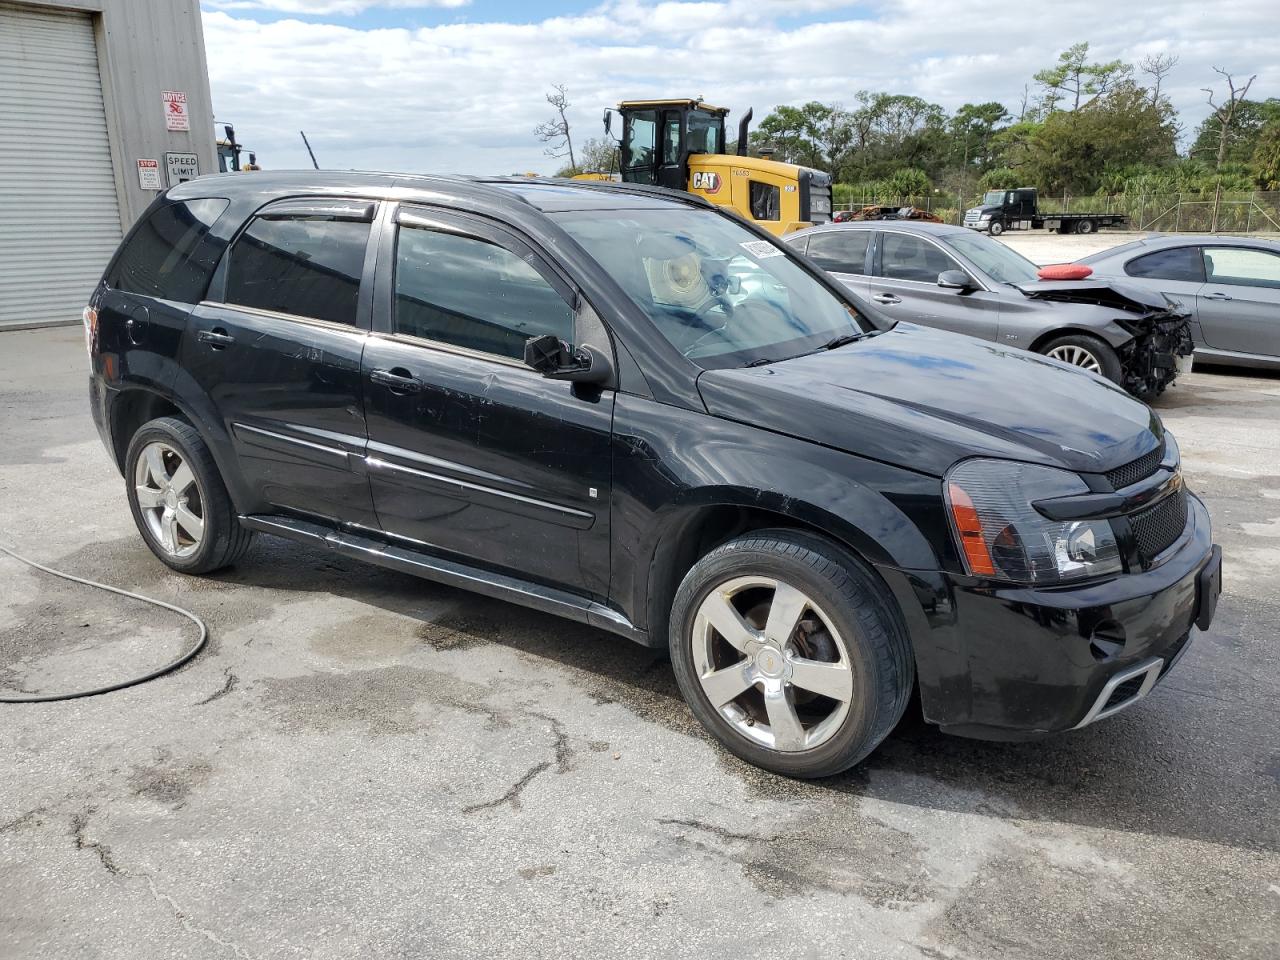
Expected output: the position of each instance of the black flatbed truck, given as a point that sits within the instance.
(1001, 210)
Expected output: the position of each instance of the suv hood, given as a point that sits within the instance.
(923, 399)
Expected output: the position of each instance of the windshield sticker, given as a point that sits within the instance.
(761, 249)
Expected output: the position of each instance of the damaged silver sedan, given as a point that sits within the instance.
(949, 277)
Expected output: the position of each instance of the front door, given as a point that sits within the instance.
(277, 348)
(905, 286)
(672, 172)
(1239, 304)
(471, 453)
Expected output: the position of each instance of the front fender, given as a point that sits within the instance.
(671, 466)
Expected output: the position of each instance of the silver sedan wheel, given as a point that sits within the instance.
(1077, 357)
(169, 499)
(772, 663)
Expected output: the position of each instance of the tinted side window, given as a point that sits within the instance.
(671, 137)
(911, 258)
(1242, 267)
(765, 201)
(307, 266)
(170, 255)
(1180, 263)
(640, 147)
(840, 251)
(473, 293)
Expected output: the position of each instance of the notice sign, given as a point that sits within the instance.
(175, 110)
(181, 167)
(149, 175)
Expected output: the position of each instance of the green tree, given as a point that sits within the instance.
(1247, 121)
(972, 129)
(1071, 150)
(1266, 155)
(1077, 81)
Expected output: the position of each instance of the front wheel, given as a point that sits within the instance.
(790, 652)
(1087, 353)
(996, 228)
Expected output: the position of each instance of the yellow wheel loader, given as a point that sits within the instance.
(680, 144)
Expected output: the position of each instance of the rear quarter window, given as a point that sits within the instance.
(170, 255)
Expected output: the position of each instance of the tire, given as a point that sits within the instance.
(1069, 349)
(996, 228)
(848, 625)
(166, 502)
(1085, 226)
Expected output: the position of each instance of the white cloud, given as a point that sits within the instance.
(326, 8)
(465, 96)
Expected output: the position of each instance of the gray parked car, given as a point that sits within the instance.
(1229, 285)
(950, 277)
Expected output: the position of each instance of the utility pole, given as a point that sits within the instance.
(309, 150)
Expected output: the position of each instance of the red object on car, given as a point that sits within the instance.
(1065, 271)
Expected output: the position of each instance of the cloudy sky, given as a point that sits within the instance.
(458, 85)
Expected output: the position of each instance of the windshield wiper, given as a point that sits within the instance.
(845, 339)
(760, 362)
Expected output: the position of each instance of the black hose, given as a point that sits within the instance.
(167, 668)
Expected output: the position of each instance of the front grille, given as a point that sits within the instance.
(1157, 528)
(1136, 470)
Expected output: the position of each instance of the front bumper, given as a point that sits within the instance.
(1014, 663)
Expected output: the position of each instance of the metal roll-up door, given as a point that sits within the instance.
(59, 214)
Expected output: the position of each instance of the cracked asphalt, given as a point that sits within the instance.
(363, 764)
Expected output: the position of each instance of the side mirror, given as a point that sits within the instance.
(608, 122)
(557, 360)
(955, 280)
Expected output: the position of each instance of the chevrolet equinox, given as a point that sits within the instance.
(625, 406)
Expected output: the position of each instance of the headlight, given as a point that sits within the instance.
(983, 216)
(1002, 536)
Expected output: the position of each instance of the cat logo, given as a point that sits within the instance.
(706, 182)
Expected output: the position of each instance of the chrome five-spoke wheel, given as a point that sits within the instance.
(772, 664)
(169, 499)
(1077, 356)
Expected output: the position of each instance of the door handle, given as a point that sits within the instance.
(886, 298)
(397, 380)
(1217, 295)
(216, 338)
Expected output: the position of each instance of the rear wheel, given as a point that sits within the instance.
(178, 500)
(1085, 226)
(790, 653)
(1087, 353)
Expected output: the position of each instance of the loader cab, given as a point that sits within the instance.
(658, 136)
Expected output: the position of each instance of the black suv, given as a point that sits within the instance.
(630, 408)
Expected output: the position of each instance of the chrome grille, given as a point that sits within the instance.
(1136, 470)
(1157, 528)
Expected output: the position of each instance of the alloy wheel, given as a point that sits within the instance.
(169, 499)
(1076, 356)
(771, 662)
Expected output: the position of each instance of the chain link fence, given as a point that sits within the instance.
(1224, 212)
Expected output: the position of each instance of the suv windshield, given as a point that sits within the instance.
(993, 258)
(715, 291)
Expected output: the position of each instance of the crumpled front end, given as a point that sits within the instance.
(1161, 346)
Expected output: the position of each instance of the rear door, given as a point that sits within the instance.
(1177, 272)
(277, 348)
(905, 285)
(1239, 305)
(470, 452)
(844, 254)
